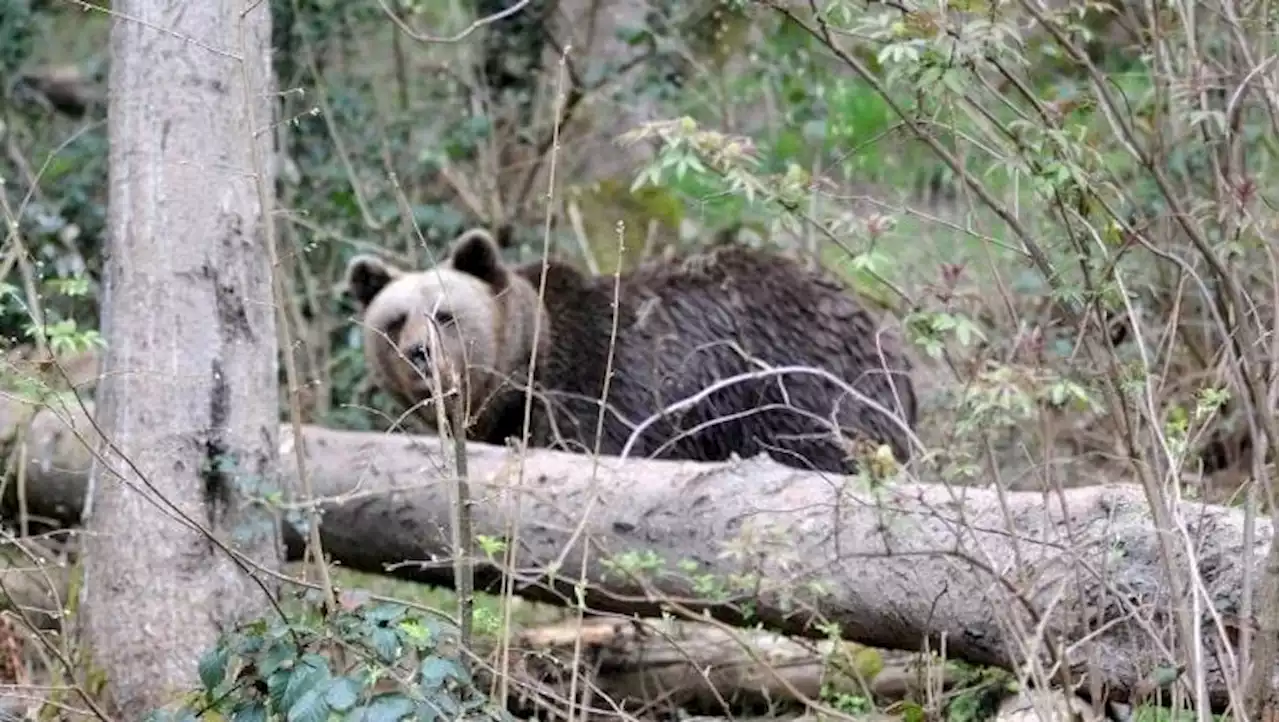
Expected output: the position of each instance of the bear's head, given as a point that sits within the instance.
(470, 320)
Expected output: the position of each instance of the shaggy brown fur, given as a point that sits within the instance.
(678, 323)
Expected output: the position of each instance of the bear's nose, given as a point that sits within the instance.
(417, 354)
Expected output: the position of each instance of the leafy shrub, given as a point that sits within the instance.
(365, 662)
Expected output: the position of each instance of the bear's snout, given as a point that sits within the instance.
(417, 355)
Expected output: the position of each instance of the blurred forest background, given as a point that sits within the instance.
(1070, 206)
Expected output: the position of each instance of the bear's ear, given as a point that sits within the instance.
(476, 253)
(367, 276)
(505, 236)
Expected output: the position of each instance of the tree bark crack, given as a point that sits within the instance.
(219, 460)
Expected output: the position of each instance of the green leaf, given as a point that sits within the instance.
(212, 667)
(306, 676)
(435, 670)
(385, 708)
(414, 632)
(310, 707)
(343, 693)
(281, 655)
(385, 613)
(252, 711)
(277, 683)
(386, 644)
(1165, 675)
(1058, 394)
(182, 715)
(448, 706)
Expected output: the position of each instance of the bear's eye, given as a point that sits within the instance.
(395, 327)
(444, 318)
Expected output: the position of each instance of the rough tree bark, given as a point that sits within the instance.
(892, 567)
(188, 397)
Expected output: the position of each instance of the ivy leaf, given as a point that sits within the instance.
(182, 715)
(310, 707)
(385, 613)
(386, 643)
(435, 670)
(448, 706)
(306, 676)
(385, 708)
(213, 667)
(280, 656)
(343, 693)
(277, 683)
(253, 711)
(427, 713)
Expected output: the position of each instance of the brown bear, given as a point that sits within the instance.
(692, 351)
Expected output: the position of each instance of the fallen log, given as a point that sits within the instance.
(666, 665)
(989, 578)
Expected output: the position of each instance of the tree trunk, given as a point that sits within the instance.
(1262, 695)
(757, 542)
(188, 396)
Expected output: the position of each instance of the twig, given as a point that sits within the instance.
(461, 35)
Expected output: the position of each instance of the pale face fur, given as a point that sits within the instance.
(469, 319)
